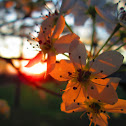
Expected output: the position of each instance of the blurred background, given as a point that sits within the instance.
(28, 97)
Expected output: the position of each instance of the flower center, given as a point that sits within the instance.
(47, 46)
(95, 107)
(83, 75)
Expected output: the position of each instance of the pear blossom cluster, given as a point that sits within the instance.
(89, 87)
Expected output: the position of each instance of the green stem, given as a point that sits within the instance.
(93, 34)
(68, 27)
(65, 55)
(112, 45)
(120, 46)
(114, 31)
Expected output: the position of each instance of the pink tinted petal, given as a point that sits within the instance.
(73, 93)
(62, 70)
(99, 119)
(119, 107)
(60, 24)
(107, 63)
(63, 43)
(51, 60)
(67, 5)
(77, 53)
(35, 60)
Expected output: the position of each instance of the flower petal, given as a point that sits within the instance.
(73, 93)
(106, 63)
(108, 13)
(100, 119)
(74, 107)
(62, 70)
(66, 6)
(51, 60)
(62, 44)
(77, 53)
(60, 24)
(46, 28)
(101, 83)
(35, 60)
(107, 95)
(119, 107)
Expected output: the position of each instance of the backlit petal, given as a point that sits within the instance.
(62, 44)
(62, 70)
(108, 93)
(46, 28)
(107, 63)
(51, 60)
(74, 107)
(77, 53)
(67, 5)
(100, 119)
(119, 107)
(60, 24)
(35, 60)
(72, 95)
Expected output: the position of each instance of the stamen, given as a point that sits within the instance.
(82, 115)
(103, 119)
(78, 92)
(107, 115)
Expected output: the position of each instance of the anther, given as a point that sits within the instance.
(61, 90)
(57, 62)
(79, 57)
(88, 112)
(92, 87)
(107, 85)
(74, 88)
(101, 71)
(99, 100)
(69, 73)
(78, 103)
(40, 41)
(87, 97)
(74, 100)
